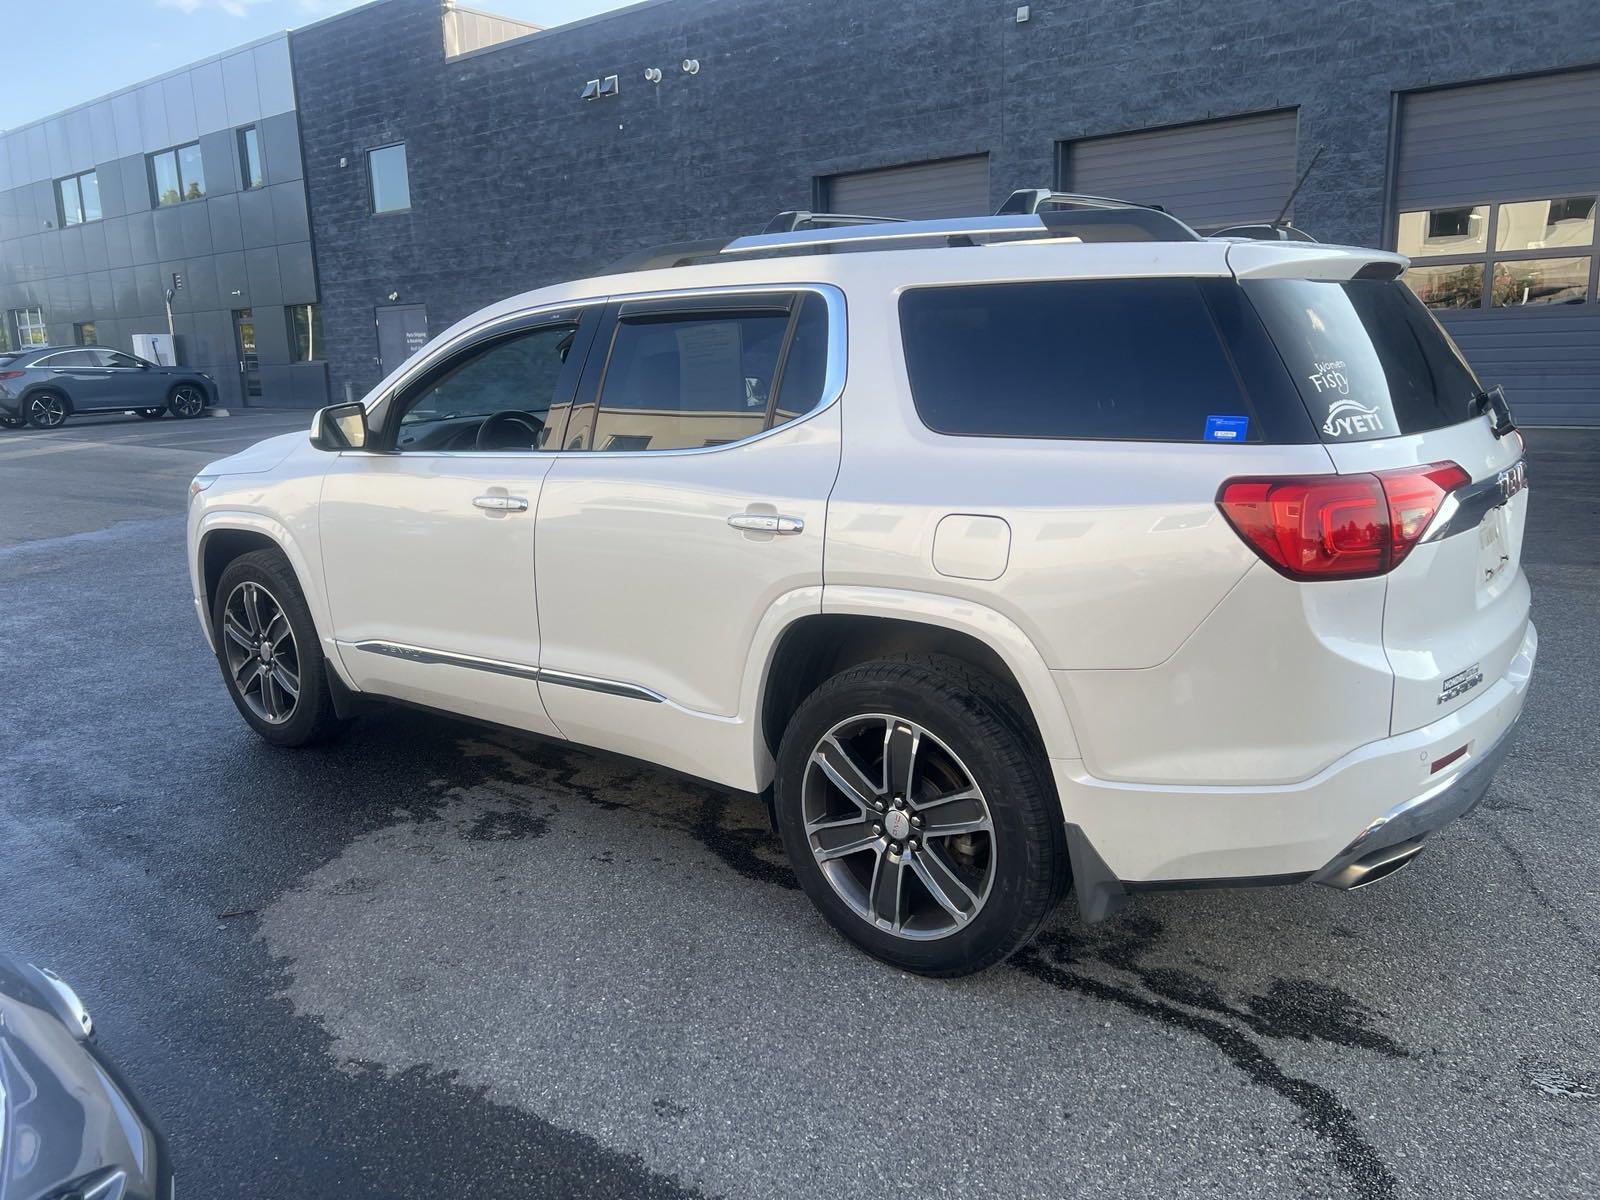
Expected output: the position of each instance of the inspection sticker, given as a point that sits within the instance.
(1227, 429)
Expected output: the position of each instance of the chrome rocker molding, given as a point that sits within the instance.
(495, 666)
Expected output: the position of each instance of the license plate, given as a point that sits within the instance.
(1493, 557)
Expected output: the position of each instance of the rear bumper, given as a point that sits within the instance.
(1363, 816)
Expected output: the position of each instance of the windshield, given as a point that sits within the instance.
(1369, 360)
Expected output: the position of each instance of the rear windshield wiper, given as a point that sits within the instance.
(1494, 402)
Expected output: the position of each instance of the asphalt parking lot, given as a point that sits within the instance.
(435, 960)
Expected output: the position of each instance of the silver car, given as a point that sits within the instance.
(43, 385)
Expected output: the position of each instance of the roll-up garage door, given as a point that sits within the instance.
(950, 187)
(1495, 190)
(1211, 174)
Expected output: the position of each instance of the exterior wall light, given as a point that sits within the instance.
(691, 66)
(652, 74)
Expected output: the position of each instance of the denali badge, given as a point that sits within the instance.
(1461, 683)
(1514, 478)
(1351, 416)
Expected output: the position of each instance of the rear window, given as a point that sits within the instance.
(1124, 359)
(1368, 358)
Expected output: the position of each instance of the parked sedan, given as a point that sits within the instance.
(69, 1125)
(44, 385)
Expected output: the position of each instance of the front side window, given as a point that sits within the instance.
(78, 198)
(251, 174)
(177, 175)
(305, 333)
(679, 380)
(391, 182)
(1515, 255)
(1122, 359)
(30, 327)
(1368, 359)
(115, 358)
(496, 396)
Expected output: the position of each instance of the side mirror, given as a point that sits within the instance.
(340, 427)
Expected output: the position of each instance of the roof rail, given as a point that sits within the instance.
(1031, 200)
(799, 231)
(800, 218)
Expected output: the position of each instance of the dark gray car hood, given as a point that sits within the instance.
(66, 1118)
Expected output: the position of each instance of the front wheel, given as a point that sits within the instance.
(186, 401)
(917, 809)
(268, 650)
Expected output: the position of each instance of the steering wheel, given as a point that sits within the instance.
(497, 433)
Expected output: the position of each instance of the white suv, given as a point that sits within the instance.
(1002, 554)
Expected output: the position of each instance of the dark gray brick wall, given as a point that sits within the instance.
(517, 183)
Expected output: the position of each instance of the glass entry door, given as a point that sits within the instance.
(244, 329)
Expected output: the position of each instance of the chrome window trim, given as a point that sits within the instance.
(497, 666)
(833, 380)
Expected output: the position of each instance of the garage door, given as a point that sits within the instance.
(1212, 173)
(950, 187)
(1495, 194)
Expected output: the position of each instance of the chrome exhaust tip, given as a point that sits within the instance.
(1370, 868)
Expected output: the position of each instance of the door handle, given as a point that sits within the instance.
(763, 523)
(501, 503)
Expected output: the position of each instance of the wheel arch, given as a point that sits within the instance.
(856, 625)
(223, 536)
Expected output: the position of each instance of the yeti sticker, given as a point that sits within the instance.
(1349, 417)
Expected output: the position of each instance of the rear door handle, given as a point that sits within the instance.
(764, 523)
(501, 503)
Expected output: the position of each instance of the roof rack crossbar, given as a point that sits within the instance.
(1031, 200)
(801, 218)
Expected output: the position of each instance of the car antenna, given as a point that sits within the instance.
(1278, 221)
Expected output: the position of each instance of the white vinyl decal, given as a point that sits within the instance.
(1346, 417)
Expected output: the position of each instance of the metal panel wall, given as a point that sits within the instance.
(951, 187)
(1485, 144)
(1211, 174)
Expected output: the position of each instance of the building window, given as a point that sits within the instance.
(391, 185)
(78, 198)
(305, 330)
(83, 334)
(177, 175)
(30, 327)
(250, 173)
(1520, 254)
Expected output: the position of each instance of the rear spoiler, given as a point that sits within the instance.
(1312, 260)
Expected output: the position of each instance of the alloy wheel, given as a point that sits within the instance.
(263, 658)
(898, 826)
(47, 411)
(187, 401)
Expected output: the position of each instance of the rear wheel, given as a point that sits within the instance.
(46, 410)
(268, 650)
(186, 401)
(150, 414)
(916, 807)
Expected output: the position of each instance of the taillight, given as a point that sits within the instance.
(11, 374)
(1338, 526)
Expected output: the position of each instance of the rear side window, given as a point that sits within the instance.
(1125, 359)
(1368, 358)
(679, 380)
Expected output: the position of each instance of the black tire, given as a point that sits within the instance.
(46, 410)
(982, 724)
(312, 719)
(7, 421)
(187, 400)
(150, 414)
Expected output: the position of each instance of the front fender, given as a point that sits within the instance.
(219, 516)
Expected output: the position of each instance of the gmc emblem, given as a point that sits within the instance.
(1513, 479)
